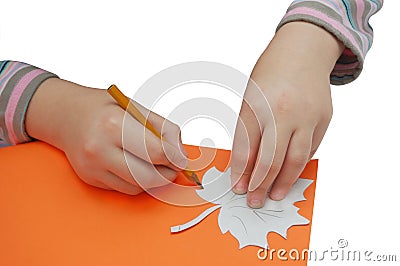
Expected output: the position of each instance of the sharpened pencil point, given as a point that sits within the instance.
(197, 181)
(200, 185)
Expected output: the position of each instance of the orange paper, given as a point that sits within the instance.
(50, 217)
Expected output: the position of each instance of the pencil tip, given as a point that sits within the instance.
(197, 181)
(200, 185)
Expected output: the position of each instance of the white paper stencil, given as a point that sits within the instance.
(249, 226)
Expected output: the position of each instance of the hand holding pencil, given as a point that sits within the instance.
(87, 124)
(130, 107)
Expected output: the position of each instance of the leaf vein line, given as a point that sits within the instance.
(241, 221)
(257, 213)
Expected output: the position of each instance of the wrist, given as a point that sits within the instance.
(51, 108)
(299, 50)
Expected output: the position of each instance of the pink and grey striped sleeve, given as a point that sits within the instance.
(348, 20)
(18, 83)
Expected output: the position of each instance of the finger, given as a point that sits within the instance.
(170, 132)
(109, 181)
(244, 150)
(269, 162)
(96, 183)
(270, 156)
(295, 160)
(138, 172)
(118, 184)
(147, 175)
(142, 143)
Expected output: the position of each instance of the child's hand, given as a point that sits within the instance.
(87, 124)
(293, 75)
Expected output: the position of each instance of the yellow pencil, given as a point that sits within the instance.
(124, 102)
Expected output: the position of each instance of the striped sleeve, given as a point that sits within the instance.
(18, 83)
(348, 20)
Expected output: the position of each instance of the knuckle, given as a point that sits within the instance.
(169, 128)
(243, 154)
(298, 159)
(241, 161)
(111, 123)
(175, 129)
(274, 168)
(90, 181)
(91, 148)
(283, 104)
(240, 173)
(325, 111)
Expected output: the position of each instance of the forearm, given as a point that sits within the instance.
(53, 106)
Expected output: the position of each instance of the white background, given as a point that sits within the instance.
(97, 43)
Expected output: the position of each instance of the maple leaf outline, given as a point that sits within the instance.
(249, 226)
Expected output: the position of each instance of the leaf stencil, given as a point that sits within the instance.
(249, 226)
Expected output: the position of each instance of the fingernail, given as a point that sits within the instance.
(256, 203)
(277, 195)
(240, 189)
(183, 163)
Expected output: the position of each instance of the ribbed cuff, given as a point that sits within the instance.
(350, 64)
(19, 81)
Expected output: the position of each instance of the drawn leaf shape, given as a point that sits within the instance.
(249, 226)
